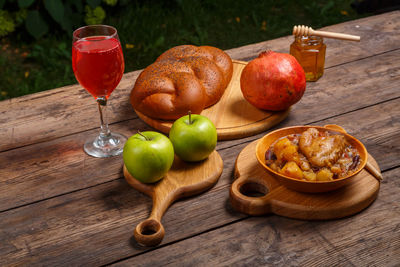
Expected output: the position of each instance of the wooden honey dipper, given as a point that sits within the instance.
(302, 30)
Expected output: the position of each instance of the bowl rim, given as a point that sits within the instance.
(360, 167)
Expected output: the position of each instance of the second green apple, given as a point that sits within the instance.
(194, 137)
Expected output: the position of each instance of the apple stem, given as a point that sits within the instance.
(145, 137)
(190, 117)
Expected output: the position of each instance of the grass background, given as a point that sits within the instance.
(148, 28)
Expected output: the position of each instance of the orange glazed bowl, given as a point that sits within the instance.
(303, 185)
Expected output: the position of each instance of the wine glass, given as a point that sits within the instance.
(98, 65)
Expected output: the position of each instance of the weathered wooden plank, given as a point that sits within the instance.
(59, 112)
(39, 170)
(370, 238)
(67, 110)
(55, 167)
(371, 81)
(101, 219)
(379, 34)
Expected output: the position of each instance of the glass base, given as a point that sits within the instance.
(104, 146)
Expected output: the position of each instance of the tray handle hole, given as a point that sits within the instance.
(253, 189)
(150, 228)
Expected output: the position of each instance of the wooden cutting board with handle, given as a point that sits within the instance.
(233, 116)
(272, 197)
(182, 180)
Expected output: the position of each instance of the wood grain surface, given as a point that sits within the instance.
(275, 198)
(109, 211)
(59, 206)
(60, 112)
(328, 98)
(182, 180)
(368, 238)
(232, 115)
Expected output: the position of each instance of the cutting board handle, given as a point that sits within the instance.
(253, 205)
(149, 232)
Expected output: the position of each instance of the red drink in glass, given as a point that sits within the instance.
(98, 64)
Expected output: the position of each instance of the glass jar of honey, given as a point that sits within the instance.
(310, 53)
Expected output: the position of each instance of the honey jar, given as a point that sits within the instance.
(310, 53)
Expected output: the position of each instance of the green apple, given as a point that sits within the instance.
(194, 137)
(148, 156)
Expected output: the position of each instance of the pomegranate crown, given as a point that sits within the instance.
(266, 53)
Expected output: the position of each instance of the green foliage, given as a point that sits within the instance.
(47, 65)
(55, 9)
(146, 29)
(93, 3)
(94, 16)
(7, 24)
(20, 16)
(25, 3)
(40, 16)
(111, 2)
(35, 24)
(9, 21)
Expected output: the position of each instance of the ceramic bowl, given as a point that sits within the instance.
(302, 185)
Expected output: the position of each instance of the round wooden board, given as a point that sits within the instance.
(348, 200)
(233, 116)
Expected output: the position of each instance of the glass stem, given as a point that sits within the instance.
(102, 104)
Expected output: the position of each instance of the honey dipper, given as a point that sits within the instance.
(302, 30)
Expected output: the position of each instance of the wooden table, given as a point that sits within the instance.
(59, 206)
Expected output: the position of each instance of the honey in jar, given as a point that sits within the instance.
(310, 53)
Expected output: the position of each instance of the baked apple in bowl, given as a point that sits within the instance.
(311, 159)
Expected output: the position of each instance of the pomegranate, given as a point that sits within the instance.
(273, 81)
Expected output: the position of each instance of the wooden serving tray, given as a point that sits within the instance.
(277, 199)
(182, 180)
(233, 116)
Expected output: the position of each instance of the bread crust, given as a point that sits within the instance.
(183, 78)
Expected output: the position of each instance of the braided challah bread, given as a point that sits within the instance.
(183, 78)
